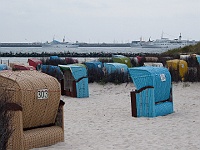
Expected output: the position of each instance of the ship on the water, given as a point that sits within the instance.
(63, 44)
(163, 43)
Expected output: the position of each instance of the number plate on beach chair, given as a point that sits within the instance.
(42, 94)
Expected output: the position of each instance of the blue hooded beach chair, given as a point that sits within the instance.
(95, 70)
(116, 70)
(3, 67)
(153, 94)
(52, 71)
(75, 83)
(116, 67)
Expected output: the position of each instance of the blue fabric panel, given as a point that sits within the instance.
(112, 67)
(163, 109)
(94, 65)
(90, 65)
(3, 67)
(82, 88)
(109, 68)
(78, 71)
(54, 58)
(145, 103)
(146, 106)
(53, 71)
(80, 75)
(158, 77)
(198, 58)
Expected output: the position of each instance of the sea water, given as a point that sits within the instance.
(72, 50)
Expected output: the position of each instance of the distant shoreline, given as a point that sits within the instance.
(20, 45)
(80, 44)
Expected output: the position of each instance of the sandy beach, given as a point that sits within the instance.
(104, 122)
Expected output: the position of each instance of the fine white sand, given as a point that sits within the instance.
(104, 122)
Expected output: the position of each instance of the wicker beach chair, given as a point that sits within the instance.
(36, 108)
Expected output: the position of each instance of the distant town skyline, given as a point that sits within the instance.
(98, 21)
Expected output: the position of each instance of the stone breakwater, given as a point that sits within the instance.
(75, 54)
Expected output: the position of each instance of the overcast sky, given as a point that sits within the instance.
(98, 20)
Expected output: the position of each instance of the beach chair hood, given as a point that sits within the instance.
(78, 72)
(157, 77)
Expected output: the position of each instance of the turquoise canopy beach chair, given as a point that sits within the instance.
(116, 71)
(95, 70)
(153, 94)
(75, 83)
(3, 67)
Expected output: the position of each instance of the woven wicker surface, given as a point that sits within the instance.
(37, 137)
(43, 137)
(23, 87)
(16, 140)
